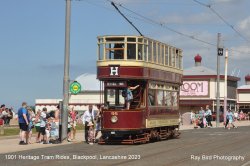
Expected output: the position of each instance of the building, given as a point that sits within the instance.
(200, 85)
(243, 96)
(90, 94)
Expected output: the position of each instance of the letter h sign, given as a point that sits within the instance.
(220, 51)
(114, 71)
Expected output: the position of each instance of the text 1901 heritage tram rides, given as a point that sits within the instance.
(141, 80)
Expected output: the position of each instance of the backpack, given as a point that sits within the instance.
(124, 93)
(129, 95)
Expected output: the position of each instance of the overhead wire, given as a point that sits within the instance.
(223, 19)
(163, 25)
(153, 22)
(173, 30)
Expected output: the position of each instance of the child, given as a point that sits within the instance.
(31, 124)
(230, 118)
(47, 131)
(91, 133)
(37, 125)
(54, 134)
(70, 123)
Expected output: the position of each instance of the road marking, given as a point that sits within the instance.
(215, 134)
(228, 132)
(246, 164)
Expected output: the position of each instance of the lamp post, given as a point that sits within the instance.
(64, 113)
(219, 53)
(225, 87)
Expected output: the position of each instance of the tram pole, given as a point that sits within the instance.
(218, 80)
(64, 113)
(225, 87)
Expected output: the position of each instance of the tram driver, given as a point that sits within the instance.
(128, 95)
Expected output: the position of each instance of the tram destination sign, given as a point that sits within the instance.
(194, 88)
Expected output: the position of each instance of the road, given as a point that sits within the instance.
(216, 146)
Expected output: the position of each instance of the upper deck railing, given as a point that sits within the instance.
(138, 49)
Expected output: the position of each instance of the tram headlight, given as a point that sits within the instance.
(114, 119)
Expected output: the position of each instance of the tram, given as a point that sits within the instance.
(155, 70)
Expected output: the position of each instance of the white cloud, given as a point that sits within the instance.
(241, 52)
(244, 26)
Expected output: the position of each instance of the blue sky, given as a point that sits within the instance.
(32, 34)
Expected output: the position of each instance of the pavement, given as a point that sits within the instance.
(9, 144)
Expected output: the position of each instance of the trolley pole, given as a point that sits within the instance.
(64, 112)
(225, 87)
(219, 53)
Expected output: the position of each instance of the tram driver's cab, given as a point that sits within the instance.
(114, 94)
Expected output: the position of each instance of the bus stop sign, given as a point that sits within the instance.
(75, 87)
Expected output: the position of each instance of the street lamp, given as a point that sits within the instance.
(225, 87)
(64, 113)
(219, 53)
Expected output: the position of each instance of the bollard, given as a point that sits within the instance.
(1, 127)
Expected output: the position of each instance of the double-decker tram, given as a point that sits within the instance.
(140, 78)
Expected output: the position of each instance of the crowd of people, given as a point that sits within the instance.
(203, 118)
(6, 114)
(241, 115)
(90, 119)
(47, 125)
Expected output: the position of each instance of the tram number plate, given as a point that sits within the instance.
(112, 132)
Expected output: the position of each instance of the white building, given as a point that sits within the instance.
(90, 94)
(200, 87)
(243, 96)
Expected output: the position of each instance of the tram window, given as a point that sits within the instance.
(168, 98)
(145, 51)
(180, 62)
(100, 52)
(174, 99)
(160, 99)
(131, 39)
(111, 96)
(162, 54)
(114, 50)
(118, 51)
(151, 97)
(121, 98)
(114, 98)
(131, 51)
(173, 57)
(166, 55)
(140, 51)
(109, 50)
(170, 56)
(150, 51)
(177, 61)
(154, 53)
(115, 39)
(159, 53)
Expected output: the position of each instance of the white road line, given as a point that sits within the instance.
(246, 164)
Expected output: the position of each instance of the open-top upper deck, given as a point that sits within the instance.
(138, 52)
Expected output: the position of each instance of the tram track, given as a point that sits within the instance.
(183, 160)
(147, 151)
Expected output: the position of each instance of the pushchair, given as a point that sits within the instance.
(54, 133)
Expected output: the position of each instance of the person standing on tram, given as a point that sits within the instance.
(129, 95)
